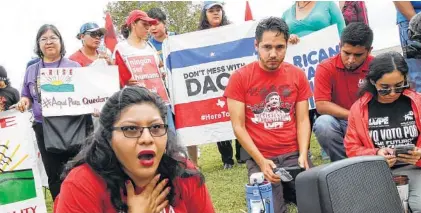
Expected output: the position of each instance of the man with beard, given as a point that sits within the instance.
(90, 34)
(337, 83)
(272, 139)
(8, 95)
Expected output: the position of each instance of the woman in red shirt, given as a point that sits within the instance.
(132, 163)
(387, 115)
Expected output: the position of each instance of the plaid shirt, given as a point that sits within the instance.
(355, 11)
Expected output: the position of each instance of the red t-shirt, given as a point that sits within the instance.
(333, 83)
(80, 58)
(83, 191)
(270, 99)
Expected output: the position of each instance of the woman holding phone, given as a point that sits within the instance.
(385, 116)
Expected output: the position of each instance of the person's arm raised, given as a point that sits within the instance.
(237, 114)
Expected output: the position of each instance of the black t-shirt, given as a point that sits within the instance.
(8, 97)
(392, 124)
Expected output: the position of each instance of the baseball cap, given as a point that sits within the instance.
(138, 14)
(209, 4)
(90, 27)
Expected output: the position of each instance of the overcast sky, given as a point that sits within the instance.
(20, 20)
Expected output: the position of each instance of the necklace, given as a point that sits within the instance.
(305, 5)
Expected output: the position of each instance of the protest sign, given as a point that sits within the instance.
(77, 91)
(311, 50)
(200, 64)
(145, 70)
(20, 181)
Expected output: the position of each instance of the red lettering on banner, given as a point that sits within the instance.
(200, 113)
(7, 122)
(26, 210)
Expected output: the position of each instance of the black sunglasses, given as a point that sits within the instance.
(95, 34)
(387, 91)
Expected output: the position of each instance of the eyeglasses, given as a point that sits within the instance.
(156, 130)
(387, 91)
(95, 34)
(53, 39)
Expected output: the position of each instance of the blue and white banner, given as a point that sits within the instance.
(200, 64)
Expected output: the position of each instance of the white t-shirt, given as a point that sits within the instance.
(126, 50)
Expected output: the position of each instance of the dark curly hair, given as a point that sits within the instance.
(357, 34)
(273, 24)
(98, 154)
(204, 23)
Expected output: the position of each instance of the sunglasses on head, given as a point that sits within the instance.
(387, 91)
(95, 34)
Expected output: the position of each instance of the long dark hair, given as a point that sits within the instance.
(126, 29)
(380, 65)
(204, 23)
(44, 28)
(98, 154)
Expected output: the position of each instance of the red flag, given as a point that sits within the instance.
(110, 38)
(124, 72)
(248, 16)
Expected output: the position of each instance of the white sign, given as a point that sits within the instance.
(311, 50)
(20, 181)
(77, 91)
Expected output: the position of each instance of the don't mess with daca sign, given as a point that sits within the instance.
(76, 91)
(200, 65)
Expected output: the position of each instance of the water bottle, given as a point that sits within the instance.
(259, 196)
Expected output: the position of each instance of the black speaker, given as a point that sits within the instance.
(354, 185)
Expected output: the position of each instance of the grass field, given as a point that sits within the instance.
(226, 186)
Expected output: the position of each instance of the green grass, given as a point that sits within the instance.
(227, 186)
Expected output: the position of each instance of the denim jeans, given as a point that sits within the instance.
(414, 65)
(330, 133)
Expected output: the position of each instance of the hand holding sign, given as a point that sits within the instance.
(23, 104)
(293, 39)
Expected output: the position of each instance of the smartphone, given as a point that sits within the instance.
(294, 171)
(283, 174)
(403, 149)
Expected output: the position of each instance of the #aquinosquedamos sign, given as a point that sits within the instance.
(76, 91)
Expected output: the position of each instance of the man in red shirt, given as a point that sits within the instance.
(90, 34)
(337, 83)
(267, 102)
